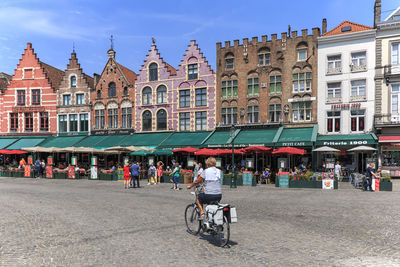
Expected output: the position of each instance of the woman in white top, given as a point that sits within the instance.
(211, 178)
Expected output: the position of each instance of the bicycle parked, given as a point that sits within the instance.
(217, 220)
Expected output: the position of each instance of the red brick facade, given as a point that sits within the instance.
(29, 102)
(113, 99)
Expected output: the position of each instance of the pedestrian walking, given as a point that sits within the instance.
(152, 174)
(195, 169)
(369, 174)
(175, 175)
(43, 168)
(135, 169)
(338, 170)
(37, 168)
(127, 175)
(160, 166)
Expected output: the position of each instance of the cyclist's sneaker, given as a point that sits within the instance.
(202, 217)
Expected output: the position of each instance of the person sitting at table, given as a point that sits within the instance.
(266, 176)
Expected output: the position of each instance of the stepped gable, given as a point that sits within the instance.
(197, 53)
(74, 64)
(354, 27)
(154, 50)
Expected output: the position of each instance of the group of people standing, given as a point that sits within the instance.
(39, 167)
(132, 171)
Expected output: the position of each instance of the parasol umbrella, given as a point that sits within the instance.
(362, 149)
(186, 149)
(326, 149)
(257, 149)
(289, 150)
(17, 152)
(206, 152)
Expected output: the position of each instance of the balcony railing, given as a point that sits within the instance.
(387, 119)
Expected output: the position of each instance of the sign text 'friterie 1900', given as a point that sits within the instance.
(345, 106)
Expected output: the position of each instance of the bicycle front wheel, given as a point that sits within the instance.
(191, 218)
(223, 234)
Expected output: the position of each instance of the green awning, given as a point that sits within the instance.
(112, 140)
(182, 139)
(218, 139)
(346, 140)
(62, 142)
(300, 137)
(91, 141)
(145, 139)
(163, 152)
(4, 142)
(26, 142)
(263, 137)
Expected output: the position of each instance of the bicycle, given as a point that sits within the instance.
(217, 220)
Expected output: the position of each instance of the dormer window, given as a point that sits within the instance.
(73, 81)
(346, 29)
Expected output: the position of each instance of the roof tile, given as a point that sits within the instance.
(354, 27)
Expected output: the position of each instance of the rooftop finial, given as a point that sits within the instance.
(112, 41)
(73, 47)
(153, 40)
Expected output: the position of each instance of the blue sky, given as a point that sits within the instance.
(53, 26)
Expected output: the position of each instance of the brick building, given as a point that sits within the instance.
(180, 99)
(272, 81)
(73, 100)
(112, 99)
(29, 102)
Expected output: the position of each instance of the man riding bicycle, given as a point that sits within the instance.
(211, 178)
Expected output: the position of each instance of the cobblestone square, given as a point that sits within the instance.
(98, 223)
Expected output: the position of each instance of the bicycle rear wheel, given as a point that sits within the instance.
(222, 236)
(191, 218)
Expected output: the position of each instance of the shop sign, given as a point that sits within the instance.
(284, 180)
(27, 109)
(294, 144)
(49, 171)
(93, 172)
(345, 106)
(27, 171)
(328, 183)
(71, 172)
(375, 184)
(120, 174)
(344, 143)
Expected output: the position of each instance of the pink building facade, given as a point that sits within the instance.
(169, 99)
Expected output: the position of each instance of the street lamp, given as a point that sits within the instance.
(232, 135)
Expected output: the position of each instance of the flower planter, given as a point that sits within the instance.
(106, 176)
(385, 186)
(59, 175)
(308, 184)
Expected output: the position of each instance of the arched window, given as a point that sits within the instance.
(146, 96)
(112, 90)
(98, 94)
(161, 120)
(153, 72)
(161, 94)
(146, 121)
(73, 81)
(126, 91)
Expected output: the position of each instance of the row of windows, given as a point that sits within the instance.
(184, 121)
(357, 121)
(301, 84)
(358, 62)
(28, 121)
(300, 112)
(79, 100)
(264, 59)
(184, 97)
(192, 70)
(358, 88)
(70, 123)
(112, 115)
(35, 97)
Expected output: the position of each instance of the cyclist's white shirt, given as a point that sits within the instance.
(212, 181)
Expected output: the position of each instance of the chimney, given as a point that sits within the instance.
(377, 12)
(96, 79)
(324, 26)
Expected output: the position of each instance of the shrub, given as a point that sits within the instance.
(386, 177)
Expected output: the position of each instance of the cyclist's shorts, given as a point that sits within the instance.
(207, 198)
